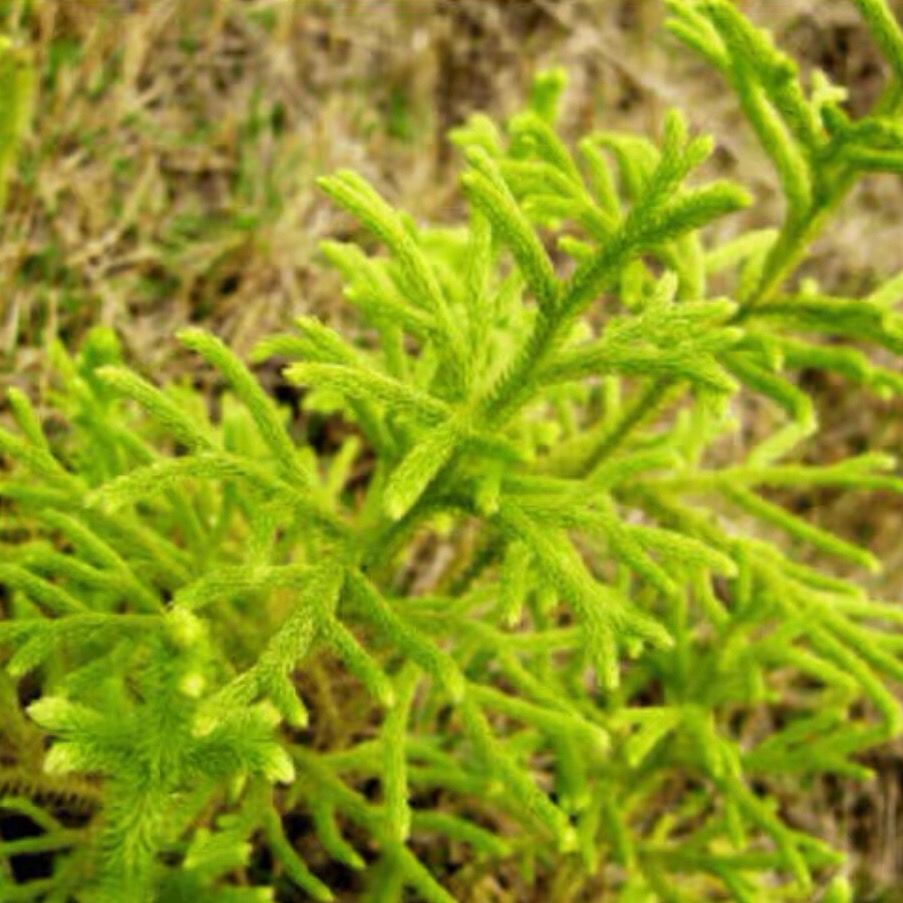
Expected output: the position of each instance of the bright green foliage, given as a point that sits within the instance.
(548, 399)
(17, 87)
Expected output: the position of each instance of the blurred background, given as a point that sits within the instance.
(168, 177)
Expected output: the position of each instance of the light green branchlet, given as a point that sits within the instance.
(545, 405)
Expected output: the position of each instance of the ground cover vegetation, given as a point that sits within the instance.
(542, 588)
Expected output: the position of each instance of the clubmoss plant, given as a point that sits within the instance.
(584, 634)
